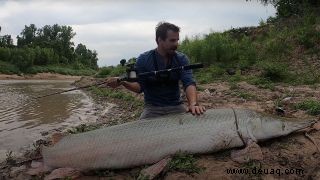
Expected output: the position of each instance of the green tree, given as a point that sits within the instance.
(86, 56)
(6, 40)
(28, 36)
(23, 59)
(65, 39)
(287, 8)
(44, 46)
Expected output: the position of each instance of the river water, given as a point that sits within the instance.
(24, 119)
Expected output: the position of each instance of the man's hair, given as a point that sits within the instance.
(163, 27)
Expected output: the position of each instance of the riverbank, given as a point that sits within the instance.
(38, 76)
(293, 152)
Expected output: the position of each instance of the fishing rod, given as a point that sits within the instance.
(131, 76)
(73, 89)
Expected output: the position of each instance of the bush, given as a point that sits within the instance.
(261, 82)
(67, 70)
(5, 54)
(246, 53)
(275, 72)
(276, 47)
(209, 74)
(311, 106)
(117, 71)
(23, 58)
(104, 72)
(308, 36)
(214, 48)
(8, 68)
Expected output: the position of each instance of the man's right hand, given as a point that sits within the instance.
(113, 82)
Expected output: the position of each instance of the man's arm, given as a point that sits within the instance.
(132, 86)
(136, 87)
(191, 94)
(193, 106)
(190, 89)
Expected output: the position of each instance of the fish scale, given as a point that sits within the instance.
(148, 141)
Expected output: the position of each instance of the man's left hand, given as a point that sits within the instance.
(196, 109)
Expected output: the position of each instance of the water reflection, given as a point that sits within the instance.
(23, 118)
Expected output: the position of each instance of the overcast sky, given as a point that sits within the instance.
(119, 29)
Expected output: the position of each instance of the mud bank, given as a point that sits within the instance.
(45, 76)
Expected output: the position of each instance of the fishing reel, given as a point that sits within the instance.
(131, 74)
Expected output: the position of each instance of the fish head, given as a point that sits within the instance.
(265, 127)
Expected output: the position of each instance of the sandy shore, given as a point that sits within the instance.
(48, 76)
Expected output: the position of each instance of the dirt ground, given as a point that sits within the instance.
(290, 157)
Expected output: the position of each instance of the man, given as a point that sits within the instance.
(162, 92)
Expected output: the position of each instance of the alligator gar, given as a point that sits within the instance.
(148, 141)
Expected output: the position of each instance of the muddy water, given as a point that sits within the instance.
(24, 119)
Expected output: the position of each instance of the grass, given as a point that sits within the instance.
(113, 93)
(200, 88)
(83, 128)
(127, 101)
(110, 71)
(233, 85)
(10, 157)
(184, 163)
(66, 70)
(244, 95)
(209, 74)
(311, 106)
(261, 82)
(253, 167)
(143, 177)
(274, 71)
(8, 68)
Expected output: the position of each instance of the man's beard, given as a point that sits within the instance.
(172, 50)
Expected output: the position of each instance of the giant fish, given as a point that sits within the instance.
(148, 141)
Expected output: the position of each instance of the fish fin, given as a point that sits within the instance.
(37, 168)
(61, 173)
(154, 170)
(252, 151)
(316, 126)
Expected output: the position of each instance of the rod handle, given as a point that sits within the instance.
(193, 66)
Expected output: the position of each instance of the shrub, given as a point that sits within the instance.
(311, 106)
(275, 72)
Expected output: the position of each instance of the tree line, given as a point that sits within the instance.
(288, 8)
(49, 45)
